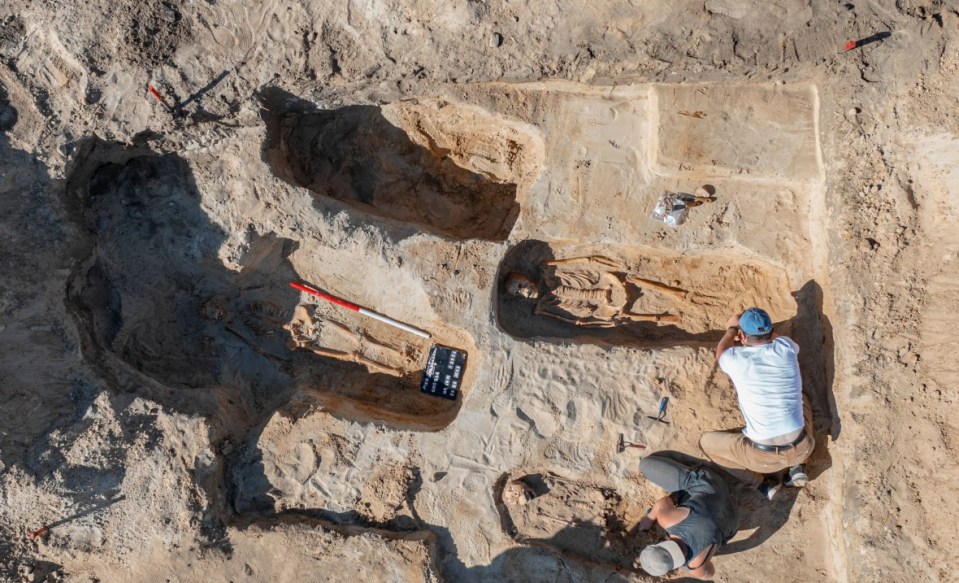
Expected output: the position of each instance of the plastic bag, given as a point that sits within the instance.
(672, 208)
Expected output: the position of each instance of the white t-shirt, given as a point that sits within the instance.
(769, 387)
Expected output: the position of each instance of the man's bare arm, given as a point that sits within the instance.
(729, 339)
(665, 513)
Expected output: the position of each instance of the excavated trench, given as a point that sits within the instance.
(630, 296)
(593, 524)
(153, 300)
(579, 520)
(446, 180)
(156, 307)
(160, 315)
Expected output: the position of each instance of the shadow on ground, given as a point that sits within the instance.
(154, 304)
(812, 330)
(354, 156)
(158, 311)
(160, 316)
(32, 244)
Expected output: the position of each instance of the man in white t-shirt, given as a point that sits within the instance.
(778, 435)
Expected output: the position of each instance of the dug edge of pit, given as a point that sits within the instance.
(356, 392)
(591, 523)
(159, 314)
(579, 519)
(411, 555)
(421, 165)
(693, 293)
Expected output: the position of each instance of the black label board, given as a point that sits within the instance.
(444, 372)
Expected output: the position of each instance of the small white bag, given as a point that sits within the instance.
(672, 208)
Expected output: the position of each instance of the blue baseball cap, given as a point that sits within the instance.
(756, 322)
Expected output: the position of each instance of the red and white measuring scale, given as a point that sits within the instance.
(351, 306)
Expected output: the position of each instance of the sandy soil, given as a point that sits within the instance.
(173, 411)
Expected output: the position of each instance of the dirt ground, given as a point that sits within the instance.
(172, 410)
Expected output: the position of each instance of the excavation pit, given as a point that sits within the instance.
(611, 151)
(630, 296)
(155, 294)
(364, 370)
(440, 168)
(155, 301)
(578, 519)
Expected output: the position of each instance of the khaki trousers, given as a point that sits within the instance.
(733, 451)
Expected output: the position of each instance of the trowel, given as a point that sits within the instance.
(661, 415)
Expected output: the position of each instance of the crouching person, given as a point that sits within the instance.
(778, 434)
(698, 515)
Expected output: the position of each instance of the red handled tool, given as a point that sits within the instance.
(855, 44)
(623, 444)
(159, 97)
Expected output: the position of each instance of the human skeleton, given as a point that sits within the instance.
(358, 348)
(593, 292)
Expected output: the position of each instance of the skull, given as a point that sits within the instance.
(517, 493)
(215, 309)
(519, 285)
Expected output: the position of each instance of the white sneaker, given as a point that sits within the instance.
(769, 489)
(797, 477)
